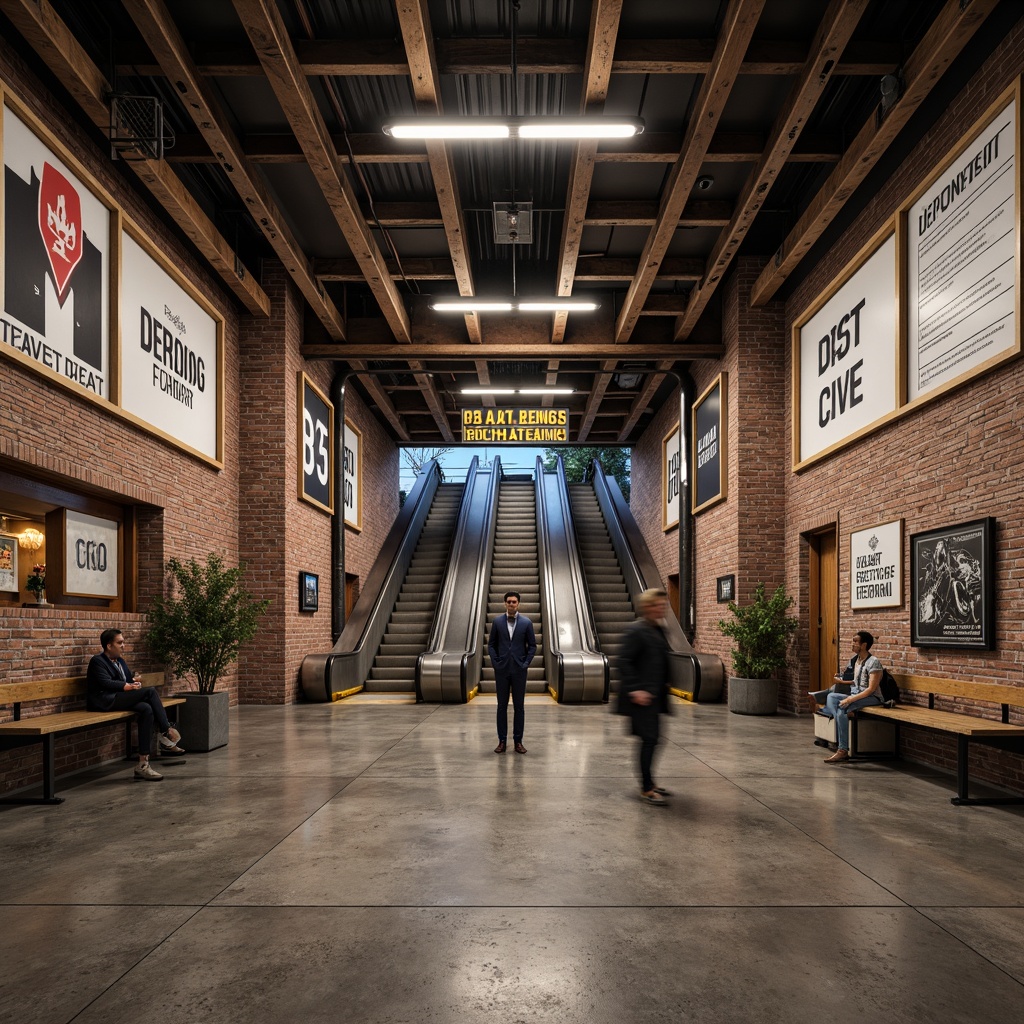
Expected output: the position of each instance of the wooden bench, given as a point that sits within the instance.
(966, 722)
(58, 721)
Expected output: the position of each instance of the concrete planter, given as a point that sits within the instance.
(203, 721)
(753, 696)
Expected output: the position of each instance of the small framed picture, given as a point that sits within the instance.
(309, 592)
(726, 589)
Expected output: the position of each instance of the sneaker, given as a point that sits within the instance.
(169, 745)
(146, 772)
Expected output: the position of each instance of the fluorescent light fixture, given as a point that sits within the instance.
(557, 306)
(507, 305)
(552, 128)
(518, 391)
(472, 306)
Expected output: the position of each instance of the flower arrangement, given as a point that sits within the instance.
(37, 581)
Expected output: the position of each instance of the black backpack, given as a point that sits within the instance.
(889, 688)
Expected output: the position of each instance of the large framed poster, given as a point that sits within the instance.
(171, 353)
(672, 478)
(708, 441)
(353, 483)
(56, 262)
(952, 601)
(316, 445)
(876, 566)
(91, 555)
(962, 251)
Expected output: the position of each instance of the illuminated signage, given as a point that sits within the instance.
(515, 426)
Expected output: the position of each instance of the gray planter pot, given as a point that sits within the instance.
(203, 721)
(753, 696)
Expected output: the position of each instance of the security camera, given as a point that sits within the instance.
(705, 182)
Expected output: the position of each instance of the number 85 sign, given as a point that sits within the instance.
(316, 446)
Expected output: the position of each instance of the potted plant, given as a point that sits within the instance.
(761, 631)
(36, 583)
(197, 630)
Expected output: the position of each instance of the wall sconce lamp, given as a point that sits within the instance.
(30, 539)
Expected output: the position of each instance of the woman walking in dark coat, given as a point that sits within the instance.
(643, 688)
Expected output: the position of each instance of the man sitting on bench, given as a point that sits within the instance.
(113, 687)
(864, 691)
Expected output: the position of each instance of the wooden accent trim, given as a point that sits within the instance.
(994, 693)
(949, 34)
(834, 31)
(67, 686)
(738, 24)
(357, 352)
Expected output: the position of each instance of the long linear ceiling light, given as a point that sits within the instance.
(556, 128)
(556, 305)
(518, 391)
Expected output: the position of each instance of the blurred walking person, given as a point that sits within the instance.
(643, 689)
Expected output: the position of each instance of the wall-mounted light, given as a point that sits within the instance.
(518, 391)
(555, 128)
(30, 539)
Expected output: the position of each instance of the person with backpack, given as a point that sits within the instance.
(865, 690)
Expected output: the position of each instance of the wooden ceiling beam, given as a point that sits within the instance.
(737, 26)
(414, 23)
(594, 399)
(154, 22)
(56, 45)
(942, 43)
(697, 213)
(416, 269)
(604, 29)
(381, 399)
(536, 56)
(614, 268)
(349, 350)
(642, 401)
(271, 40)
(837, 25)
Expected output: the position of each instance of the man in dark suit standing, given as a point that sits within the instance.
(114, 687)
(511, 646)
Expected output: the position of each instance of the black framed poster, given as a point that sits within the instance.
(309, 592)
(708, 455)
(316, 446)
(952, 601)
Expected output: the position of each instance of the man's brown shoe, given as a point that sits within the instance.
(520, 749)
(500, 748)
(838, 757)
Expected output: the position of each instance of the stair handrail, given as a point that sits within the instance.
(343, 670)
(449, 669)
(576, 672)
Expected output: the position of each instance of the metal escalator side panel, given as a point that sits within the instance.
(449, 670)
(345, 669)
(572, 661)
(698, 675)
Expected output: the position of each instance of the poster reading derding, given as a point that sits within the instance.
(168, 353)
(56, 243)
(961, 261)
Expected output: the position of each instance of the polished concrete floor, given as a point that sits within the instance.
(377, 863)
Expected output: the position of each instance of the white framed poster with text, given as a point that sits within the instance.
(961, 267)
(91, 555)
(352, 460)
(876, 566)
(673, 477)
(845, 355)
(171, 354)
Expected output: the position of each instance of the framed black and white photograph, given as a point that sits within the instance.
(876, 566)
(708, 442)
(309, 592)
(952, 600)
(726, 588)
(673, 473)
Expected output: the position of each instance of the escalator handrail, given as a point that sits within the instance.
(593, 642)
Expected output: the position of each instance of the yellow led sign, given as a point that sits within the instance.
(515, 426)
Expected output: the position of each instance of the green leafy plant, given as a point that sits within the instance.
(208, 614)
(36, 583)
(761, 630)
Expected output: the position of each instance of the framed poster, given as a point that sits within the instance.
(952, 598)
(171, 353)
(726, 588)
(309, 592)
(876, 566)
(708, 441)
(56, 242)
(845, 350)
(91, 549)
(672, 478)
(353, 483)
(316, 445)
(962, 270)
(9, 563)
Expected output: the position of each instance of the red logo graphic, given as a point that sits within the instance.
(60, 224)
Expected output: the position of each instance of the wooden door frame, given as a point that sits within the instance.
(814, 596)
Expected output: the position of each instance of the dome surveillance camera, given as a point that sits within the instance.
(705, 182)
